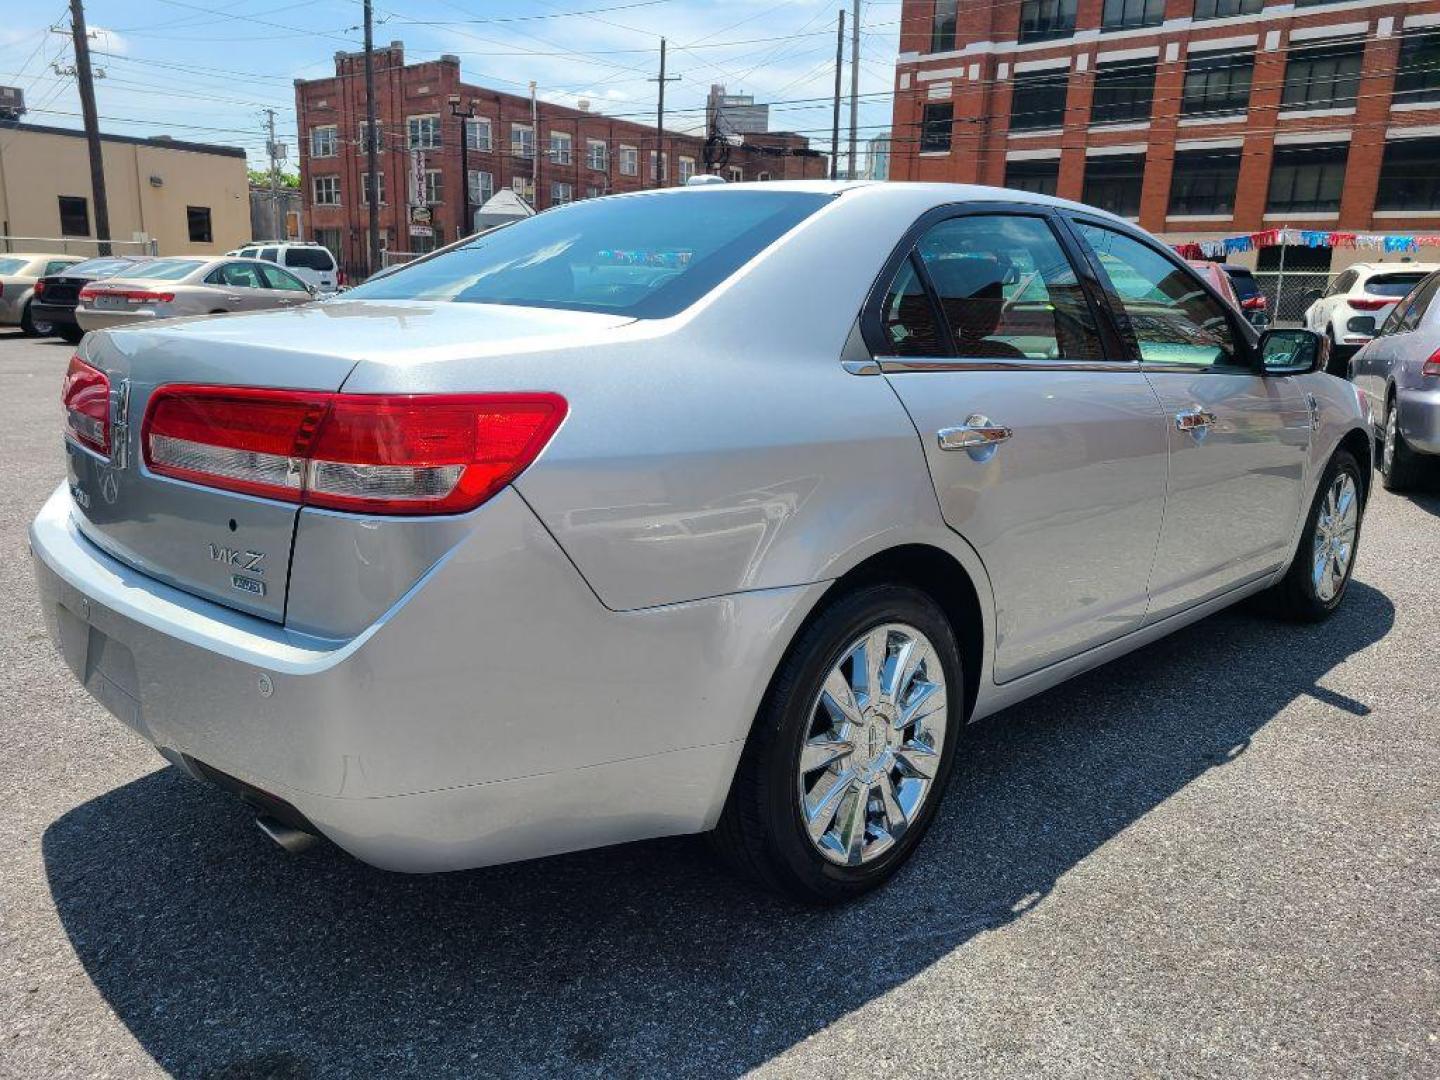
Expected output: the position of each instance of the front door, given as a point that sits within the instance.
(1239, 442)
(1047, 450)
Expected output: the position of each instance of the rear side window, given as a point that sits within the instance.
(645, 256)
(247, 253)
(272, 254)
(309, 258)
(1007, 290)
(908, 317)
(238, 276)
(1393, 284)
(1172, 317)
(1418, 306)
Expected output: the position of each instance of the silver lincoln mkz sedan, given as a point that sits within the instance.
(710, 509)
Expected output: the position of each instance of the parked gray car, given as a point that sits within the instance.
(170, 288)
(1398, 374)
(715, 509)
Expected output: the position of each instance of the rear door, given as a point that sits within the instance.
(1239, 442)
(315, 265)
(1045, 443)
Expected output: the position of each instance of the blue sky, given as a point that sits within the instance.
(206, 71)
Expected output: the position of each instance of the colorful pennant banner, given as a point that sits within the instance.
(1311, 238)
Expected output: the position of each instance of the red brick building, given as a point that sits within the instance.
(581, 154)
(1198, 118)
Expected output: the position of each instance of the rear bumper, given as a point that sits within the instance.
(497, 712)
(52, 313)
(93, 319)
(1419, 419)
(11, 308)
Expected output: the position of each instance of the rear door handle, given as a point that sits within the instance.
(976, 433)
(233, 299)
(1196, 419)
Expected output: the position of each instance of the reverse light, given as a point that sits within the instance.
(367, 453)
(1370, 305)
(85, 394)
(1431, 367)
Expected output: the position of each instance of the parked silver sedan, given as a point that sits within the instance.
(714, 509)
(167, 288)
(19, 272)
(1398, 373)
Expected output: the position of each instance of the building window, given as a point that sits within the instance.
(936, 120)
(1323, 77)
(592, 191)
(737, 174)
(1307, 179)
(323, 141)
(327, 191)
(433, 188)
(687, 168)
(482, 186)
(1114, 183)
(1041, 20)
(1036, 177)
(477, 133)
(522, 140)
(659, 166)
(561, 193)
(1039, 100)
(597, 154)
(1410, 175)
(365, 188)
(197, 220)
(330, 240)
(364, 140)
(562, 145)
(1417, 78)
(762, 177)
(942, 27)
(1218, 83)
(524, 186)
(1124, 92)
(422, 132)
(1132, 14)
(1204, 182)
(629, 161)
(1219, 9)
(74, 216)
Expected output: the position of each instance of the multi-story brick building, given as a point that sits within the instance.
(1198, 118)
(581, 154)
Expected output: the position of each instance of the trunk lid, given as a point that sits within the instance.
(233, 548)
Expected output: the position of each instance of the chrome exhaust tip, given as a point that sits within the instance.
(293, 840)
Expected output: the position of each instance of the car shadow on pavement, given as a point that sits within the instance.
(227, 959)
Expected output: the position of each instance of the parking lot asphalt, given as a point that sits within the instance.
(1219, 856)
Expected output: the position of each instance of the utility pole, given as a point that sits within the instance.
(660, 117)
(86, 80)
(271, 149)
(371, 144)
(854, 83)
(534, 147)
(835, 118)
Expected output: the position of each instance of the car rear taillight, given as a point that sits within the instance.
(1431, 367)
(1254, 303)
(369, 453)
(130, 296)
(340, 278)
(1370, 305)
(39, 288)
(85, 394)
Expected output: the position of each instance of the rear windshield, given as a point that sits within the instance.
(166, 269)
(1393, 284)
(309, 258)
(1245, 285)
(99, 267)
(646, 256)
(11, 266)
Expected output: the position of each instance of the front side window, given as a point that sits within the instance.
(282, 280)
(937, 118)
(1415, 312)
(74, 216)
(197, 222)
(1132, 14)
(1036, 177)
(649, 256)
(1220, 9)
(327, 191)
(1041, 20)
(422, 132)
(1124, 92)
(1323, 77)
(1114, 183)
(1203, 182)
(1307, 179)
(1170, 314)
(1417, 77)
(1007, 290)
(942, 28)
(323, 142)
(1039, 100)
(1217, 83)
(1410, 175)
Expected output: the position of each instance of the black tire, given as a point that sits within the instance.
(31, 328)
(1296, 597)
(761, 832)
(71, 332)
(1399, 465)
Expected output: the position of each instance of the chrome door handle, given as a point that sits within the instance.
(233, 299)
(1196, 419)
(976, 433)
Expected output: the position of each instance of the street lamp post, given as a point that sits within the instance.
(463, 115)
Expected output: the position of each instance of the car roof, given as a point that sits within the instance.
(29, 256)
(1394, 268)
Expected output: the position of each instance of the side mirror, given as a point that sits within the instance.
(1293, 352)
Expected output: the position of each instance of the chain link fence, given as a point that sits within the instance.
(1288, 293)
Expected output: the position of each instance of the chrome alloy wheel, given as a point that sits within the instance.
(1391, 430)
(1335, 531)
(877, 729)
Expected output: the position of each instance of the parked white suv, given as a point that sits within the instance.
(310, 262)
(1358, 301)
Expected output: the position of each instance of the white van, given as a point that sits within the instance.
(310, 262)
